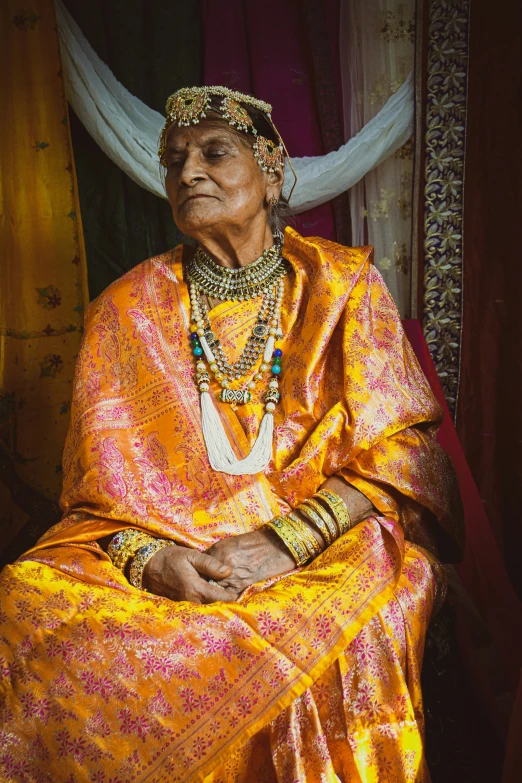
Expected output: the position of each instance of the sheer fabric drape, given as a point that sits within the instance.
(377, 48)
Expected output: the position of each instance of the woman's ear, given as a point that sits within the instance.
(274, 183)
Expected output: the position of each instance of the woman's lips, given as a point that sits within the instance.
(198, 195)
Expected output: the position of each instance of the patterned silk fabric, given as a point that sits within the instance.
(313, 676)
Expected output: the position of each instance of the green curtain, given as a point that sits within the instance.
(153, 48)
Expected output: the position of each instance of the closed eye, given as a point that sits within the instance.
(216, 154)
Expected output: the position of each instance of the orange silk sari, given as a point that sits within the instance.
(313, 676)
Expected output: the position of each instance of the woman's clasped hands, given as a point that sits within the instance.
(234, 563)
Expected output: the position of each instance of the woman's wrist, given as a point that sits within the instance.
(358, 505)
(313, 530)
(299, 537)
(277, 541)
(315, 524)
(143, 557)
(131, 550)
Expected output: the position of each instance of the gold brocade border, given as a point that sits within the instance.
(443, 199)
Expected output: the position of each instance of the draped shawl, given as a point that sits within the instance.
(354, 402)
(182, 685)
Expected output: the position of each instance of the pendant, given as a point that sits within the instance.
(235, 396)
(260, 330)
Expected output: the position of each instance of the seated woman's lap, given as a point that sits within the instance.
(77, 620)
(362, 720)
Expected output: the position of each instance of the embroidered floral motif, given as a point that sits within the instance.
(49, 297)
(26, 20)
(397, 25)
(51, 365)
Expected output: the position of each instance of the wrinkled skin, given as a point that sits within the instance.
(218, 193)
(181, 574)
(237, 562)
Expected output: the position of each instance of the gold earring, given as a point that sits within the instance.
(273, 201)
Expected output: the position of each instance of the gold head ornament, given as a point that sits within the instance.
(189, 105)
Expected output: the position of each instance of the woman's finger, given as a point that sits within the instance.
(208, 566)
(209, 594)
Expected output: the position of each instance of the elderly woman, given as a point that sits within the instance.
(242, 581)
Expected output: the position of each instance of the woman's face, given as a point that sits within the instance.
(213, 181)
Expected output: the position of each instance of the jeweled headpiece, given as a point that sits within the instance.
(190, 104)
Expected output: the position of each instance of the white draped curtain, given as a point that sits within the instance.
(377, 54)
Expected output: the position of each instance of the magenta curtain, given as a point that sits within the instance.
(265, 49)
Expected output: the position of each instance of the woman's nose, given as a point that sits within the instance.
(192, 171)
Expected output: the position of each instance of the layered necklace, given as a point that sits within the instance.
(261, 355)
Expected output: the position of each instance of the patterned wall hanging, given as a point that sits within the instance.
(445, 76)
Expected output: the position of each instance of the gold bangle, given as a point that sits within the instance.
(142, 557)
(125, 544)
(292, 542)
(328, 532)
(338, 508)
(325, 516)
(305, 534)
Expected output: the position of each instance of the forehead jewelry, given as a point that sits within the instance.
(187, 106)
(236, 115)
(268, 155)
(191, 104)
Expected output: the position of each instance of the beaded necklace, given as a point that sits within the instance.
(267, 278)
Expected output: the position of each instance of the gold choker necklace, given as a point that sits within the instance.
(247, 282)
